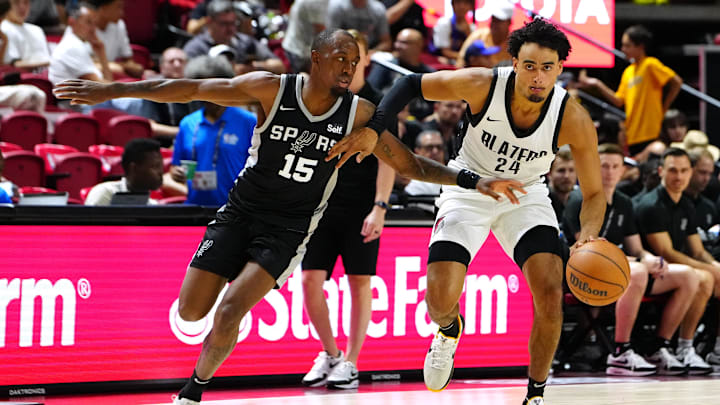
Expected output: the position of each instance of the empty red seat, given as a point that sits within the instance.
(123, 129)
(24, 128)
(103, 116)
(50, 153)
(8, 147)
(76, 171)
(111, 156)
(41, 82)
(24, 168)
(77, 130)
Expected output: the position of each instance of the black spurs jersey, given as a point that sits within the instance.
(286, 180)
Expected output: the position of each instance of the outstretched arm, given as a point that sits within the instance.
(240, 90)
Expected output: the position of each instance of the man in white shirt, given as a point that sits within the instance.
(73, 57)
(143, 166)
(112, 32)
(27, 47)
(307, 19)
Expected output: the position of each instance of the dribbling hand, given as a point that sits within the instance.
(495, 187)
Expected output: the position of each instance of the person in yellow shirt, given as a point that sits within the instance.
(640, 91)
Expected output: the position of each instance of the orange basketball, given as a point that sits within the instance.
(598, 273)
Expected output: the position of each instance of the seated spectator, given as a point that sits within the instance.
(706, 215)
(143, 166)
(250, 54)
(429, 144)
(408, 127)
(111, 30)
(216, 138)
(666, 220)
(27, 47)
(366, 16)
(649, 276)
(403, 14)
(451, 31)
(408, 48)
(562, 180)
(695, 140)
(307, 19)
(73, 56)
(496, 34)
(479, 55)
(673, 131)
(447, 119)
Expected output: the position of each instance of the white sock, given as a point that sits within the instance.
(717, 346)
(684, 343)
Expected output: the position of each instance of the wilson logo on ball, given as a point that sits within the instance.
(584, 287)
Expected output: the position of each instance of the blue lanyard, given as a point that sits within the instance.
(217, 143)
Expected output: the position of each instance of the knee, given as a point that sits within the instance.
(690, 281)
(227, 317)
(638, 278)
(706, 283)
(439, 305)
(313, 281)
(188, 313)
(548, 302)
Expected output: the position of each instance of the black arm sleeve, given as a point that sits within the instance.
(405, 89)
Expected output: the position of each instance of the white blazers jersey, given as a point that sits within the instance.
(493, 146)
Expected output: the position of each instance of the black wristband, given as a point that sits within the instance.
(382, 204)
(377, 122)
(467, 179)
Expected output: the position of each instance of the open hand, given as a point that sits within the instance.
(495, 187)
(361, 141)
(83, 91)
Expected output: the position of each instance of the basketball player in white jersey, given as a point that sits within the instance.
(515, 121)
(259, 237)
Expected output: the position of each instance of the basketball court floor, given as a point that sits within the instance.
(593, 389)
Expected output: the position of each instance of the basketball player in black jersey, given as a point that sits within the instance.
(259, 236)
(516, 119)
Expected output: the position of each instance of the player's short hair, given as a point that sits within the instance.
(676, 152)
(136, 151)
(610, 149)
(327, 38)
(206, 67)
(541, 32)
(639, 35)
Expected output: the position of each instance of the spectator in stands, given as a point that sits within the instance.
(73, 58)
(429, 144)
(649, 275)
(403, 14)
(479, 55)
(451, 31)
(17, 96)
(307, 19)
(197, 20)
(640, 91)
(143, 167)
(408, 127)
(217, 138)
(496, 34)
(408, 48)
(706, 214)
(666, 220)
(250, 54)
(111, 30)
(561, 181)
(649, 179)
(366, 16)
(27, 47)
(446, 119)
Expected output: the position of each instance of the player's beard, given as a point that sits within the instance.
(535, 98)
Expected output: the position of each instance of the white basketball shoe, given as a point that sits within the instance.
(440, 359)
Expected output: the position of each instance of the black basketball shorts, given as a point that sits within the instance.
(227, 247)
(340, 236)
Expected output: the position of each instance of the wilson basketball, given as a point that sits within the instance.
(598, 273)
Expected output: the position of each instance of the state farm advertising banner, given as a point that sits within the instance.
(592, 18)
(99, 303)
